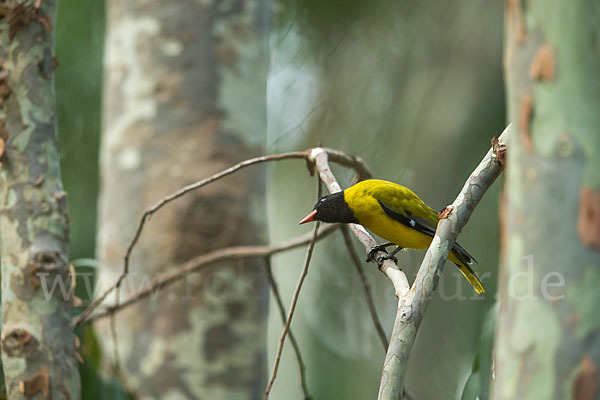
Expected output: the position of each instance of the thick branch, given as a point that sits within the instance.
(412, 306)
(38, 343)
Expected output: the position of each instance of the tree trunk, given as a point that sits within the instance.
(185, 98)
(548, 338)
(38, 345)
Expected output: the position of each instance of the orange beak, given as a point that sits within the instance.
(309, 218)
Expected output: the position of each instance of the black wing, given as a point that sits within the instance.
(411, 222)
(407, 220)
(463, 254)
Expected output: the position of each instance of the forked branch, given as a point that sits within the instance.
(412, 306)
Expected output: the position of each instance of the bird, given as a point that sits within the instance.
(393, 212)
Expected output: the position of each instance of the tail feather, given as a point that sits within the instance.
(463, 255)
(471, 277)
(463, 261)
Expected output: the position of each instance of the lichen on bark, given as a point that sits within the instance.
(38, 344)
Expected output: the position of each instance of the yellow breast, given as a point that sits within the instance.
(369, 214)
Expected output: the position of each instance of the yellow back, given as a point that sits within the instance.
(364, 197)
(366, 194)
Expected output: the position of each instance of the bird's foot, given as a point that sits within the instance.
(381, 259)
(375, 249)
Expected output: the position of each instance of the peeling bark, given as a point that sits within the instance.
(589, 218)
(184, 98)
(525, 114)
(548, 337)
(38, 344)
(585, 386)
(543, 65)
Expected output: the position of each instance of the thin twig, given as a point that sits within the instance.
(295, 296)
(366, 286)
(337, 156)
(413, 305)
(196, 264)
(293, 341)
(148, 213)
(115, 344)
(341, 158)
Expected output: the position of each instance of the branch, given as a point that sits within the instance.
(39, 356)
(339, 157)
(115, 343)
(204, 261)
(412, 306)
(296, 295)
(368, 295)
(150, 211)
(320, 156)
(281, 308)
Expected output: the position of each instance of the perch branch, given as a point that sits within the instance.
(320, 157)
(412, 306)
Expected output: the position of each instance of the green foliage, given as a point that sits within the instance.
(79, 50)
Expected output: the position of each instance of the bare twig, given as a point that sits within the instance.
(412, 306)
(148, 213)
(115, 340)
(295, 296)
(293, 341)
(177, 273)
(366, 286)
(339, 157)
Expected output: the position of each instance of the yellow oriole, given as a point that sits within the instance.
(393, 212)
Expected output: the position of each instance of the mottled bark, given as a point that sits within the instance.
(185, 98)
(548, 338)
(38, 345)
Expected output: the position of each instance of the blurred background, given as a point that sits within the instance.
(414, 88)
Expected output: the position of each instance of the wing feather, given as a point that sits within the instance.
(407, 220)
(404, 201)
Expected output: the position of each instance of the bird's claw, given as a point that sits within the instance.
(375, 249)
(381, 259)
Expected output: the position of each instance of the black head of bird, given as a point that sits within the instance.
(331, 208)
